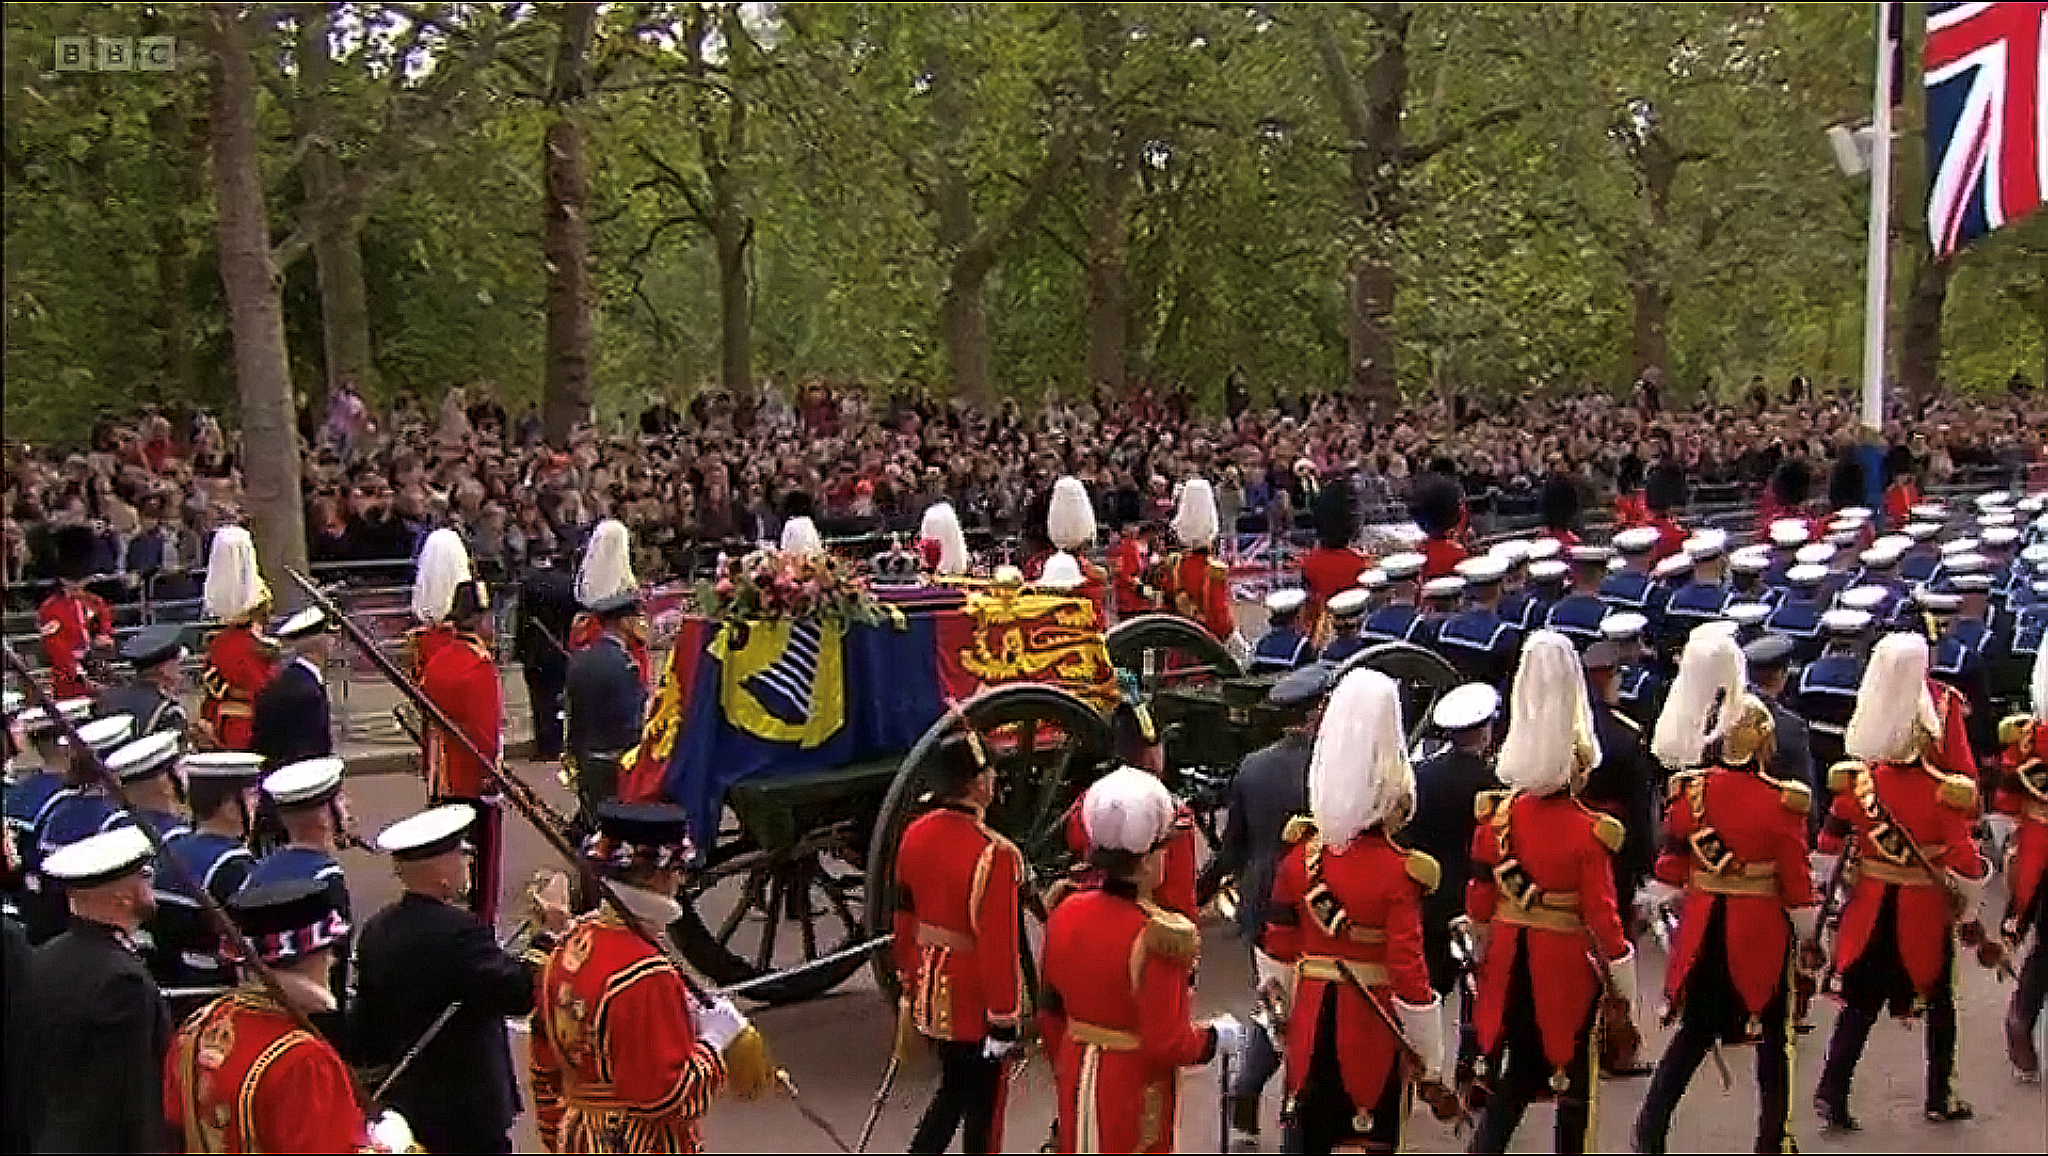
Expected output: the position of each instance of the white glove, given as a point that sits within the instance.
(1424, 1027)
(1973, 892)
(1656, 896)
(1230, 1036)
(995, 1049)
(1999, 827)
(392, 1134)
(1624, 970)
(1805, 924)
(1272, 973)
(1461, 924)
(720, 1022)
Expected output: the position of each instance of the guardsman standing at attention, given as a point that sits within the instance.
(151, 696)
(293, 722)
(1193, 583)
(1346, 614)
(622, 1057)
(2021, 824)
(1906, 811)
(1542, 893)
(462, 679)
(1480, 643)
(1283, 647)
(606, 574)
(546, 613)
(1070, 525)
(1438, 508)
(1735, 846)
(242, 1076)
(1346, 914)
(957, 950)
(1334, 565)
(607, 703)
(424, 957)
(101, 1026)
(77, 626)
(214, 853)
(1115, 982)
(239, 658)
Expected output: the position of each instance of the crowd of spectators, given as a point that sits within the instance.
(722, 471)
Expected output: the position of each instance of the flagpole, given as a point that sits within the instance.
(1878, 266)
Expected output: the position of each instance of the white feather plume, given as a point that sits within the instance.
(1359, 774)
(1195, 521)
(1550, 721)
(1892, 701)
(1711, 672)
(234, 585)
(1061, 572)
(942, 525)
(1069, 519)
(607, 569)
(800, 537)
(444, 565)
(1127, 810)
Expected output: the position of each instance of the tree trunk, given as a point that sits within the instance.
(963, 314)
(567, 393)
(183, 136)
(1650, 308)
(1920, 329)
(270, 457)
(735, 306)
(336, 224)
(1107, 167)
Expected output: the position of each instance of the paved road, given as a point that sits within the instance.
(836, 1048)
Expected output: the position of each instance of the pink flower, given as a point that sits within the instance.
(724, 587)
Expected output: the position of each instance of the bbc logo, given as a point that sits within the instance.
(117, 53)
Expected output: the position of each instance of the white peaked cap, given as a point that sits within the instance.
(1843, 620)
(1623, 624)
(98, 859)
(1466, 707)
(1993, 499)
(1286, 600)
(1748, 613)
(234, 585)
(1867, 598)
(2041, 684)
(1789, 532)
(1348, 603)
(800, 537)
(1403, 566)
(444, 564)
(1711, 673)
(1678, 563)
(1807, 574)
(1816, 554)
(2000, 518)
(1542, 548)
(1638, 540)
(1549, 719)
(1061, 572)
(1127, 810)
(607, 569)
(1958, 546)
(1069, 519)
(1358, 774)
(2000, 536)
(1196, 523)
(1892, 701)
(1514, 550)
(942, 525)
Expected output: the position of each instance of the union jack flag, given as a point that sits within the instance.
(1986, 72)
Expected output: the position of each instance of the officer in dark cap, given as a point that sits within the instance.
(1271, 787)
(151, 696)
(1770, 667)
(1626, 783)
(547, 609)
(607, 704)
(292, 719)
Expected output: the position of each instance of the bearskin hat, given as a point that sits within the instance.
(1560, 503)
(1898, 463)
(798, 504)
(1846, 483)
(72, 547)
(1336, 515)
(1033, 531)
(1628, 473)
(1665, 488)
(1792, 484)
(1436, 504)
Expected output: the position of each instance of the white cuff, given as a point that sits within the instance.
(1823, 866)
(1424, 1027)
(1972, 892)
(1624, 971)
(1657, 893)
(1805, 924)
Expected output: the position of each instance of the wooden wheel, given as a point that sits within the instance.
(1179, 650)
(1424, 676)
(1047, 747)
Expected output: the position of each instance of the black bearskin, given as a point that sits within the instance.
(1665, 489)
(1336, 515)
(1560, 503)
(1898, 463)
(72, 547)
(1436, 504)
(1793, 483)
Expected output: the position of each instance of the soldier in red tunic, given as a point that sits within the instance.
(462, 679)
(1541, 898)
(605, 573)
(2021, 824)
(1334, 565)
(622, 1058)
(239, 657)
(1897, 943)
(1438, 508)
(1192, 583)
(1070, 526)
(1735, 847)
(942, 544)
(443, 564)
(1138, 745)
(1346, 913)
(1131, 562)
(1663, 495)
(1115, 984)
(957, 950)
(77, 625)
(242, 1076)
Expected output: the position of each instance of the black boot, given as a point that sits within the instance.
(1954, 1110)
(1834, 1114)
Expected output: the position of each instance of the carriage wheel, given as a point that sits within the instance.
(1180, 650)
(1424, 676)
(750, 912)
(1047, 747)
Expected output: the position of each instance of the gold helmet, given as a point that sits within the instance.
(1753, 737)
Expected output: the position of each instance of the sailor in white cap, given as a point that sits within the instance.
(1440, 599)
(1539, 1003)
(28, 790)
(1192, 582)
(1283, 647)
(80, 808)
(1825, 692)
(310, 805)
(1577, 615)
(1748, 569)
(1797, 614)
(144, 767)
(1704, 598)
(1630, 587)
(1479, 642)
(1375, 583)
(1903, 723)
(1638, 688)
(1396, 619)
(292, 720)
(1448, 785)
(101, 1028)
(1344, 880)
(1748, 618)
(1547, 582)
(1109, 955)
(416, 955)
(1922, 553)
(212, 853)
(239, 657)
(1347, 617)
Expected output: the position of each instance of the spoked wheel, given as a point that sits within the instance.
(1170, 649)
(751, 912)
(1424, 676)
(1047, 747)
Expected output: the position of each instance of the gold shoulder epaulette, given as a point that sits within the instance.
(1170, 934)
(1298, 828)
(1675, 785)
(1795, 795)
(2013, 730)
(1485, 803)
(1957, 793)
(1217, 567)
(1842, 776)
(1425, 870)
(1609, 831)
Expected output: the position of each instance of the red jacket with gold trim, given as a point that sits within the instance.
(1197, 587)
(2023, 794)
(72, 627)
(957, 926)
(239, 661)
(462, 680)
(242, 1076)
(1129, 563)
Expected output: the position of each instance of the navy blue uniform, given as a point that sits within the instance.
(1758, 592)
(184, 951)
(1691, 606)
(291, 864)
(1283, 648)
(1345, 645)
(68, 815)
(1394, 623)
(1525, 608)
(1798, 620)
(1919, 564)
(1577, 617)
(1825, 696)
(1481, 645)
(1628, 590)
(1960, 660)
(1639, 694)
(291, 717)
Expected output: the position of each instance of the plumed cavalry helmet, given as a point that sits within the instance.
(1069, 518)
(444, 565)
(1550, 744)
(1195, 522)
(1895, 717)
(1710, 703)
(607, 568)
(1358, 774)
(941, 527)
(235, 591)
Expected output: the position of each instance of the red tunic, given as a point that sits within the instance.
(614, 1057)
(957, 924)
(1381, 887)
(421, 644)
(239, 661)
(1565, 848)
(1762, 822)
(241, 1076)
(1441, 557)
(1129, 561)
(1197, 587)
(1899, 499)
(1670, 537)
(1176, 891)
(2023, 794)
(1326, 572)
(462, 680)
(1116, 1020)
(73, 626)
(1630, 510)
(1939, 811)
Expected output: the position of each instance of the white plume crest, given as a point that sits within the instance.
(1358, 773)
(234, 584)
(443, 566)
(1069, 518)
(1711, 673)
(942, 525)
(607, 569)
(1127, 810)
(800, 537)
(1550, 720)
(1892, 701)
(1195, 522)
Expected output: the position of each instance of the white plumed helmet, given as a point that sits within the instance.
(942, 525)
(1710, 671)
(1359, 774)
(444, 565)
(234, 585)
(1195, 523)
(800, 537)
(1892, 701)
(607, 569)
(1550, 721)
(1127, 810)
(1069, 519)
(1061, 572)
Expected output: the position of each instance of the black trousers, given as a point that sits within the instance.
(544, 695)
(2031, 992)
(1711, 1012)
(967, 1101)
(1323, 1116)
(1521, 1075)
(1878, 977)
